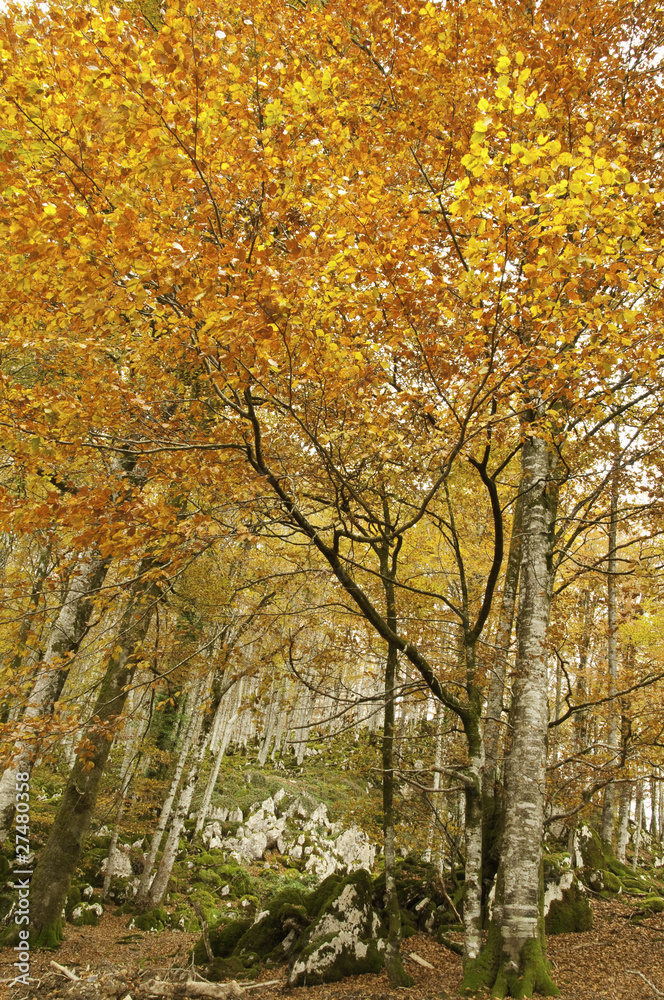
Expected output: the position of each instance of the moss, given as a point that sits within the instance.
(571, 914)
(651, 905)
(223, 938)
(151, 920)
(322, 896)
(51, 936)
(74, 897)
(480, 973)
(346, 962)
(533, 976)
(408, 927)
(85, 915)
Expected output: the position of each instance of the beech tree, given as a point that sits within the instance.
(248, 244)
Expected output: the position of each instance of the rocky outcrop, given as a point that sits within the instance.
(336, 930)
(299, 829)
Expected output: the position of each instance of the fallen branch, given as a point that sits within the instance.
(635, 972)
(255, 986)
(452, 945)
(191, 989)
(420, 961)
(66, 972)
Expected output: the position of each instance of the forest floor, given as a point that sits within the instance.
(112, 961)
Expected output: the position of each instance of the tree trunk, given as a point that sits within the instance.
(612, 735)
(223, 744)
(66, 635)
(191, 727)
(163, 873)
(638, 820)
(623, 820)
(513, 960)
(25, 658)
(131, 735)
(654, 806)
(493, 726)
(59, 858)
(393, 966)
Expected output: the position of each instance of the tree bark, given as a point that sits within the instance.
(393, 965)
(223, 744)
(191, 725)
(66, 635)
(59, 858)
(612, 735)
(638, 820)
(623, 820)
(513, 961)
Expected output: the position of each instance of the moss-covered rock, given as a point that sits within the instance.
(571, 913)
(86, 914)
(344, 940)
(151, 920)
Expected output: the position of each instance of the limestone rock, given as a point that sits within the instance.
(344, 940)
(121, 862)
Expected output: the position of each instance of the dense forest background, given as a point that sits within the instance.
(330, 479)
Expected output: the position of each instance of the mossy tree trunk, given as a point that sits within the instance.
(513, 962)
(393, 966)
(59, 858)
(67, 633)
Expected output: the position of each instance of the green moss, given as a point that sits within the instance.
(408, 927)
(323, 895)
(480, 973)
(50, 936)
(346, 962)
(223, 939)
(74, 897)
(571, 914)
(533, 976)
(87, 917)
(151, 920)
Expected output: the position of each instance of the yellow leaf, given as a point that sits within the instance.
(483, 104)
(503, 64)
(49, 210)
(541, 111)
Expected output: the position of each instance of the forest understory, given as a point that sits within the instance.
(110, 961)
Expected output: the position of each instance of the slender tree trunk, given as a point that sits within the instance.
(612, 735)
(192, 722)
(171, 847)
(654, 799)
(513, 961)
(223, 744)
(430, 852)
(66, 635)
(638, 820)
(623, 820)
(493, 726)
(131, 734)
(26, 658)
(59, 858)
(393, 966)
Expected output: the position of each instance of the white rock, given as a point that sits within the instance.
(225, 891)
(121, 863)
